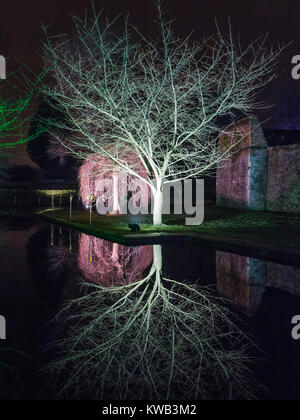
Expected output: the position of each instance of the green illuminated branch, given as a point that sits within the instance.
(13, 116)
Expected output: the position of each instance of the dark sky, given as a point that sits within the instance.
(21, 36)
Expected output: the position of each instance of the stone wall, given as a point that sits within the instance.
(258, 177)
(284, 179)
(242, 178)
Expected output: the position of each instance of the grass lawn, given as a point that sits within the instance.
(273, 228)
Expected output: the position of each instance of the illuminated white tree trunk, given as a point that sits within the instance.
(158, 203)
(157, 261)
(157, 267)
(116, 204)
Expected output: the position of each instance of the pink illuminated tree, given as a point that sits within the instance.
(97, 167)
(111, 264)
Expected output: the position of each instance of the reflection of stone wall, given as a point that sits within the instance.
(284, 277)
(284, 179)
(241, 279)
(242, 179)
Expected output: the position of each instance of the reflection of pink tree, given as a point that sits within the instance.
(110, 264)
(96, 168)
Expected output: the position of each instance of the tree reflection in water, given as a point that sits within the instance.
(111, 264)
(147, 338)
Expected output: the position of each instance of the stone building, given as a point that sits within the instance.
(258, 177)
(242, 179)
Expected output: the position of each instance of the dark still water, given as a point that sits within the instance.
(40, 265)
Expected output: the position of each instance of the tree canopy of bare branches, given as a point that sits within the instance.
(163, 98)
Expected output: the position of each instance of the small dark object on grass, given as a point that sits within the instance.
(134, 227)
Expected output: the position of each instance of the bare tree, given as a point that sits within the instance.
(13, 119)
(10, 113)
(163, 99)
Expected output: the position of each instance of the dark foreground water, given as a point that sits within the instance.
(39, 265)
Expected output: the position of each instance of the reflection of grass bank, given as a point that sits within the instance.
(153, 339)
(281, 230)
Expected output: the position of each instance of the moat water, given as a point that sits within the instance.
(40, 262)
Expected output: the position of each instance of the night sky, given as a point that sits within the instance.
(21, 36)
